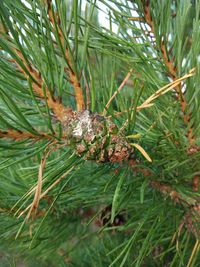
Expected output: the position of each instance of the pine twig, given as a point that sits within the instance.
(172, 70)
(174, 195)
(37, 83)
(19, 135)
(192, 217)
(79, 96)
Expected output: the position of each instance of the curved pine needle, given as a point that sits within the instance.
(143, 152)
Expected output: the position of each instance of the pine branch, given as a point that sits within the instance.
(172, 71)
(98, 162)
(37, 83)
(19, 135)
(192, 217)
(42, 91)
(73, 77)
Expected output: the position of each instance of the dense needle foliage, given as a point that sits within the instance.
(100, 133)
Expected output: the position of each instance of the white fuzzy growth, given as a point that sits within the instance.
(84, 124)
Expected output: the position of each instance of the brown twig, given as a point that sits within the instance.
(79, 96)
(38, 87)
(191, 218)
(19, 135)
(37, 83)
(177, 197)
(172, 70)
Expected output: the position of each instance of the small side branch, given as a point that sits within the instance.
(19, 135)
(79, 96)
(37, 83)
(191, 218)
(172, 71)
(39, 87)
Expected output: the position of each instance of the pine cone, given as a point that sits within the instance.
(96, 138)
